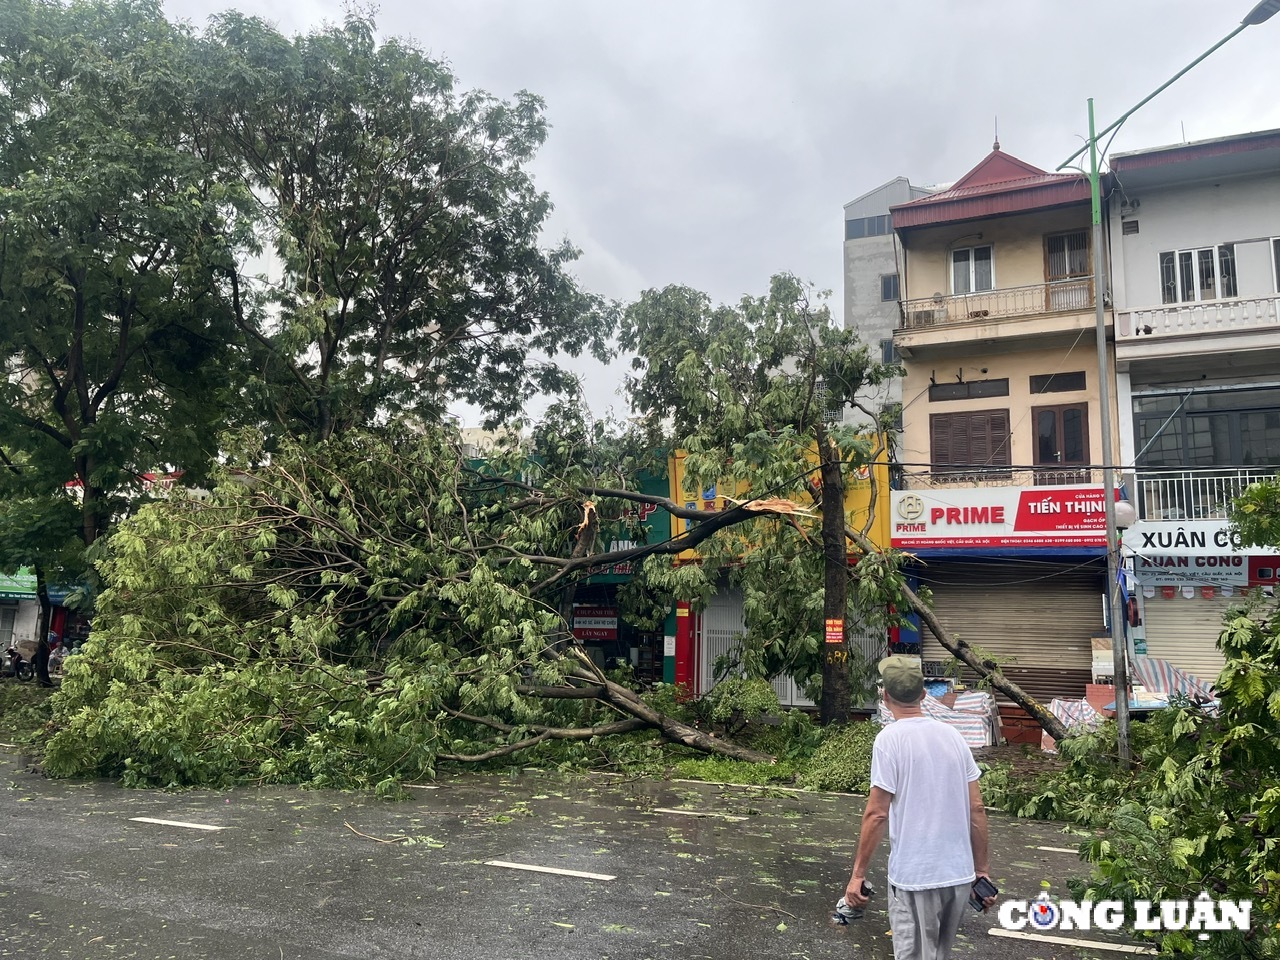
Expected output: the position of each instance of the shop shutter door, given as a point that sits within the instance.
(721, 627)
(1040, 616)
(1185, 632)
(723, 624)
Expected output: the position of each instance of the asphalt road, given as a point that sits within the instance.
(313, 875)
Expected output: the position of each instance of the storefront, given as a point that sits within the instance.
(1188, 575)
(19, 609)
(701, 638)
(1017, 573)
(613, 632)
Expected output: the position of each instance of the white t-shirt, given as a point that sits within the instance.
(927, 767)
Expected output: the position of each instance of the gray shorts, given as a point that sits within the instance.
(925, 922)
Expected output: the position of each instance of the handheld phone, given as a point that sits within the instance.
(982, 888)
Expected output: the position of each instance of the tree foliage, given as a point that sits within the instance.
(749, 391)
(208, 228)
(118, 221)
(402, 214)
(351, 614)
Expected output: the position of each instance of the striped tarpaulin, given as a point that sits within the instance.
(975, 716)
(1161, 676)
(1075, 715)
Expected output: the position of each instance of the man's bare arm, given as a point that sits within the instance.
(978, 833)
(875, 823)
(978, 837)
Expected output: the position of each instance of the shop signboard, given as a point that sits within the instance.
(637, 525)
(1196, 570)
(866, 496)
(18, 586)
(1067, 516)
(1185, 538)
(593, 622)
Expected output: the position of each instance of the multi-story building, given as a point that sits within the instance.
(1002, 505)
(1195, 233)
(871, 276)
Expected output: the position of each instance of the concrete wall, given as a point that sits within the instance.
(26, 620)
(866, 260)
(1184, 216)
(1018, 367)
(1017, 242)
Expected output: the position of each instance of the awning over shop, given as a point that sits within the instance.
(18, 586)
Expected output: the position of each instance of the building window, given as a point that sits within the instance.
(1275, 260)
(972, 270)
(888, 352)
(1061, 442)
(970, 390)
(1237, 428)
(1206, 273)
(888, 286)
(860, 227)
(1067, 256)
(961, 442)
(1057, 382)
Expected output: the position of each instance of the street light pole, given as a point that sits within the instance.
(1119, 649)
(1261, 13)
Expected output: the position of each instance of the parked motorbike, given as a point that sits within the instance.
(16, 665)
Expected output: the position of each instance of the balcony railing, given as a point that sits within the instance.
(1193, 494)
(1198, 319)
(935, 477)
(1058, 296)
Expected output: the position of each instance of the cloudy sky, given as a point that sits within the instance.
(715, 142)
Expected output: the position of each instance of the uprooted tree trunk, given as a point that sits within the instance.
(989, 670)
(639, 716)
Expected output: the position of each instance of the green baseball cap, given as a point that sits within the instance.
(903, 678)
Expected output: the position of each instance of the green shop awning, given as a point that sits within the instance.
(18, 586)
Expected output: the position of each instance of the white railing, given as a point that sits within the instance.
(1056, 296)
(1194, 494)
(1198, 319)
(915, 478)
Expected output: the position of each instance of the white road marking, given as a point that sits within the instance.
(556, 870)
(1069, 942)
(1059, 849)
(700, 813)
(176, 823)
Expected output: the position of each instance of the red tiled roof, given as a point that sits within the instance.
(999, 184)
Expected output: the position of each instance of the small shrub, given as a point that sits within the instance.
(726, 770)
(24, 713)
(737, 701)
(843, 761)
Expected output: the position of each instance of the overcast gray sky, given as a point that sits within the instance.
(715, 142)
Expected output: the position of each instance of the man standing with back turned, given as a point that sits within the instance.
(924, 789)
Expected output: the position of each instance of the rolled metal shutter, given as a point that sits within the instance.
(1185, 631)
(722, 625)
(1040, 616)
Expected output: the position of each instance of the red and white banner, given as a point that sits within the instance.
(595, 623)
(1073, 516)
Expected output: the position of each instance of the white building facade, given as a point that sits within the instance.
(1195, 276)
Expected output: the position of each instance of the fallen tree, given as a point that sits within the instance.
(354, 613)
(989, 670)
